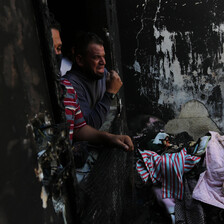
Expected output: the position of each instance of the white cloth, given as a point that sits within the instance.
(66, 65)
(160, 136)
(209, 185)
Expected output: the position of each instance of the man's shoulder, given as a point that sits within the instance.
(70, 91)
(69, 74)
(72, 75)
(65, 81)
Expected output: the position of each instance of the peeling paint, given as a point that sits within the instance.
(44, 197)
(59, 207)
(24, 94)
(137, 67)
(179, 55)
(51, 142)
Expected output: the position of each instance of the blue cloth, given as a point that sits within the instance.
(167, 169)
(93, 98)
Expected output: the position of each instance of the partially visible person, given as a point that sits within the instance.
(95, 86)
(57, 43)
(64, 63)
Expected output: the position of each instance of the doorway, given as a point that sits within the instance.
(74, 16)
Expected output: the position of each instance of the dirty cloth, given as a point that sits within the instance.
(188, 210)
(209, 185)
(169, 203)
(167, 169)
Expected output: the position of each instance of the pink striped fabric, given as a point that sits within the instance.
(167, 169)
(72, 108)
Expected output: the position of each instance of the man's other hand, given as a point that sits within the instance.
(122, 141)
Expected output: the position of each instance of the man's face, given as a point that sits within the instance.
(56, 41)
(94, 60)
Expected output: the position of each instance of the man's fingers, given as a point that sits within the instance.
(113, 74)
(124, 146)
(127, 143)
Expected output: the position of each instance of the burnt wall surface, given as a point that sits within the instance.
(23, 94)
(172, 52)
(75, 16)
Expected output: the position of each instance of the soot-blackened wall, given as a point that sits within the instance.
(23, 95)
(172, 52)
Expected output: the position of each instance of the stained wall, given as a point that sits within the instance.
(23, 95)
(172, 52)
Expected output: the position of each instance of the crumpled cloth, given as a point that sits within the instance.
(209, 185)
(167, 169)
(188, 210)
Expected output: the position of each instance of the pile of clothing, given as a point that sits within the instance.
(187, 176)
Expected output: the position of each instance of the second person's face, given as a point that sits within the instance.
(56, 41)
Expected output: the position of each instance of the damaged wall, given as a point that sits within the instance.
(172, 52)
(24, 94)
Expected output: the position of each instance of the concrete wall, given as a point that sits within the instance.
(172, 52)
(23, 95)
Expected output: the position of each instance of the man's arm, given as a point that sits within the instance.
(87, 133)
(96, 116)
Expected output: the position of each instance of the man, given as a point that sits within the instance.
(95, 86)
(79, 130)
(57, 43)
(64, 63)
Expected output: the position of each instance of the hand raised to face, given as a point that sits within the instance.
(113, 82)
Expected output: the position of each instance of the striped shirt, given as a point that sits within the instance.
(73, 112)
(167, 169)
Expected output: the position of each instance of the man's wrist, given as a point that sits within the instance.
(105, 136)
(111, 95)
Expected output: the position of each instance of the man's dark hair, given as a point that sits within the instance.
(54, 24)
(82, 40)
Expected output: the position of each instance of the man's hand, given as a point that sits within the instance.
(88, 133)
(121, 141)
(113, 82)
